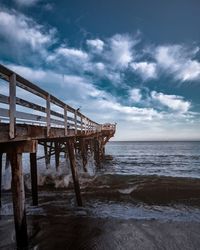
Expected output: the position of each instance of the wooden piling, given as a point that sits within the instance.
(34, 184)
(57, 155)
(18, 196)
(83, 153)
(7, 163)
(0, 175)
(96, 152)
(47, 155)
(70, 147)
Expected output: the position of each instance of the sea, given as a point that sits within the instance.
(140, 187)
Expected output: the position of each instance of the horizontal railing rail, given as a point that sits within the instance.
(44, 109)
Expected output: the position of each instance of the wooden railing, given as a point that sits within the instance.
(108, 126)
(37, 107)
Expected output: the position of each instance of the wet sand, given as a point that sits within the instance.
(103, 233)
(120, 212)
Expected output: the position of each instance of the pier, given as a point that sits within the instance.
(30, 116)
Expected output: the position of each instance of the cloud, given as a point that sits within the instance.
(135, 95)
(174, 102)
(96, 45)
(129, 113)
(72, 53)
(178, 60)
(27, 2)
(102, 107)
(75, 90)
(19, 29)
(69, 86)
(69, 60)
(121, 50)
(145, 69)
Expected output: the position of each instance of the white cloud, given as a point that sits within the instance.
(190, 71)
(103, 107)
(121, 50)
(70, 86)
(95, 44)
(135, 95)
(100, 66)
(145, 69)
(129, 113)
(69, 60)
(174, 102)
(17, 28)
(72, 53)
(178, 60)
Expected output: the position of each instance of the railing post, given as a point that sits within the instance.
(12, 104)
(65, 117)
(92, 126)
(88, 126)
(85, 121)
(75, 121)
(48, 114)
(81, 124)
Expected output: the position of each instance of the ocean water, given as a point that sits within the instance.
(178, 159)
(142, 192)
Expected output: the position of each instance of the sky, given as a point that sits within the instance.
(136, 63)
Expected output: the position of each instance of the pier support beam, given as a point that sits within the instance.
(57, 155)
(83, 153)
(18, 195)
(47, 154)
(0, 175)
(7, 163)
(70, 147)
(97, 152)
(34, 184)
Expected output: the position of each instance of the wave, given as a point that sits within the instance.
(150, 189)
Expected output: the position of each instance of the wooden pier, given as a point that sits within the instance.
(30, 116)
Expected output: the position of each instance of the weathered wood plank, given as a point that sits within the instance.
(27, 104)
(19, 147)
(30, 131)
(33, 117)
